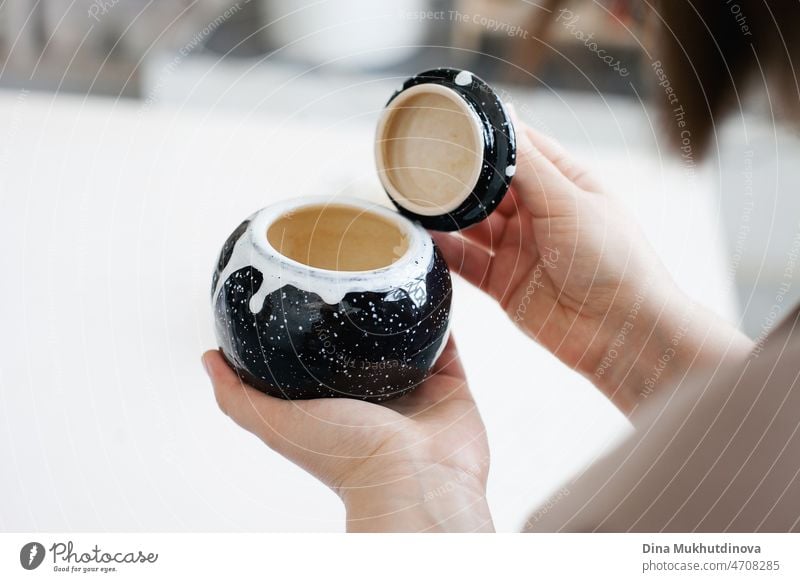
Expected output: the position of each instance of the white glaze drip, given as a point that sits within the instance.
(464, 78)
(241, 257)
(511, 170)
(253, 250)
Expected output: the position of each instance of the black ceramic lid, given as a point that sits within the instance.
(445, 149)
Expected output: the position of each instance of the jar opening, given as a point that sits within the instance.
(429, 149)
(338, 238)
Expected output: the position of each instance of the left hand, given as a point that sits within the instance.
(572, 269)
(418, 463)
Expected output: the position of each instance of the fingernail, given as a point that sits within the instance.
(206, 367)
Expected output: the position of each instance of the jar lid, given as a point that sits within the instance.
(445, 149)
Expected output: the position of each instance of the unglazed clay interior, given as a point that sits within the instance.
(338, 238)
(429, 149)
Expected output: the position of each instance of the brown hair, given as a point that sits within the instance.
(714, 51)
(704, 57)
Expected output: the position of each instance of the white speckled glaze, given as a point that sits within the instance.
(253, 249)
(296, 331)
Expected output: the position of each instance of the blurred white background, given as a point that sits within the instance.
(135, 135)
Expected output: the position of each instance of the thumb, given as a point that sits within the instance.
(264, 416)
(539, 182)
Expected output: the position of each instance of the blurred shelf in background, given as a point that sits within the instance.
(337, 61)
(99, 46)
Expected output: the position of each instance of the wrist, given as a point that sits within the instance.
(430, 499)
(664, 337)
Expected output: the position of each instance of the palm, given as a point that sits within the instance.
(589, 283)
(556, 262)
(348, 443)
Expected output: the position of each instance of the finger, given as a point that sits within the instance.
(561, 159)
(488, 233)
(538, 183)
(256, 412)
(513, 232)
(510, 205)
(464, 258)
(447, 381)
(449, 362)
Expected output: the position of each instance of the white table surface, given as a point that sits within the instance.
(111, 217)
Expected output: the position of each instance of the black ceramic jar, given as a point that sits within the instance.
(320, 297)
(445, 149)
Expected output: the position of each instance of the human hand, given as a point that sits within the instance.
(571, 267)
(418, 463)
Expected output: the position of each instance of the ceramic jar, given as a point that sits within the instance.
(317, 297)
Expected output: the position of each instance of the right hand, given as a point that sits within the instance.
(571, 267)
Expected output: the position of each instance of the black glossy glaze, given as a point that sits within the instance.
(499, 151)
(370, 346)
(226, 252)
